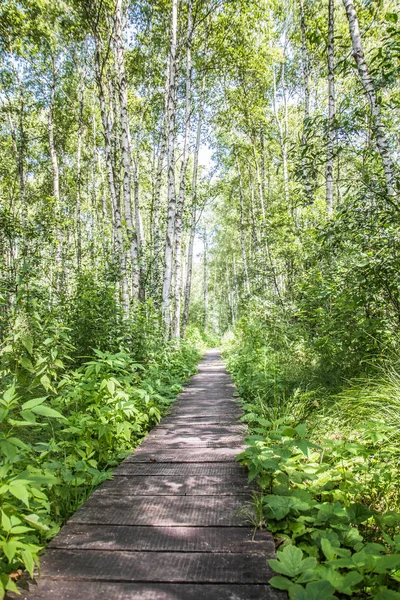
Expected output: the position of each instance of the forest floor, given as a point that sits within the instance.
(170, 525)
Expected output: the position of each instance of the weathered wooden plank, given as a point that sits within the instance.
(96, 590)
(161, 510)
(170, 567)
(164, 539)
(178, 420)
(187, 441)
(231, 485)
(156, 468)
(168, 429)
(181, 456)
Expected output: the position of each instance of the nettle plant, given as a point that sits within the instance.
(318, 500)
(61, 431)
(24, 487)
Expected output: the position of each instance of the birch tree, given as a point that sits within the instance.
(331, 108)
(171, 110)
(369, 89)
(176, 322)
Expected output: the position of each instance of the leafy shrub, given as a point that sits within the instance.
(62, 430)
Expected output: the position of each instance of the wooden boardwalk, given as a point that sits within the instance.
(166, 527)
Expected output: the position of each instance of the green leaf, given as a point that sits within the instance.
(45, 381)
(348, 582)
(9, 549)
(46, 411)
(387, 563)
(385, 594)
(32, 403)
(5, 522)
(328, 549)
(318, 590)
(111, 386)
(358, 513)
(9, 395)
(290, 562)
(297, 592)
(27, 364)
(282, 583)
(18, 490)
(34, 520)
(28, 561)
(27, 341)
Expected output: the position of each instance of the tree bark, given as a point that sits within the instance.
(115, 201)
(79, 182)
(169, 241)
(156, 237)
(331, 108)
(188, 285)
(126, 151)
(282, 137)
(242, 233)
(205, 279)
(176, 321)
(368, 85)
(306, 85)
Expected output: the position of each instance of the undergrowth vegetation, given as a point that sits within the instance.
(67, 419)
(326, 461)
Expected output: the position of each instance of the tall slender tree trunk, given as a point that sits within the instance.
(176, 321)
(79, 182)
(126, 151)
(331, 108)
(282, 138)
(155, 232)
(306, 86)
(205, 278)
(242, 232)
(189, 271)
(56, 178)
(377, 122)
(169, 241)
(114, 196)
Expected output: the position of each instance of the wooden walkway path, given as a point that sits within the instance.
(166, 527)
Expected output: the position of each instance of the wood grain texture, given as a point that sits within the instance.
(172, 524)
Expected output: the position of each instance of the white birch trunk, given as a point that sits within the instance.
(242, 235)
(169, 241)
(176, 321)
(331, 108)
(306, 85)
(189, 271)
(126, 151)
(115, 202)
(378, 127)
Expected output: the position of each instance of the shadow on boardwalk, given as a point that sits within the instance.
(166, 527)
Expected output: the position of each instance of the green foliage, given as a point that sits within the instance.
(63, 429)
(326, 464)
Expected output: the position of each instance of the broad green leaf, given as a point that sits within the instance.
(386, 594)
(387, 563)
(46, 411)
(32, 403)
(45, 381)
(291, 563)
(9, 549)
(282, 583)
(27, 341)
(19, 491)
(318, 590)
(358, 513)
(5, 522)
